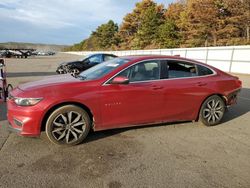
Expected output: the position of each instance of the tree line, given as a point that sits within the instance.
(184, 23)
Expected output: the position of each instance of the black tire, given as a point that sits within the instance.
(68, 125)
(212, 110)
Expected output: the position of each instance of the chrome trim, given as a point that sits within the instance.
(188, 61)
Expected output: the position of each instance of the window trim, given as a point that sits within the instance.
(162, 61)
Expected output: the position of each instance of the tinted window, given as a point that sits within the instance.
(149, 70)
(95, 59)
(108, 57)
(179, 69)
(204, 70)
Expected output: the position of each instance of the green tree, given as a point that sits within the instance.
(106, 35)
(147, 33)
(168, 35)
(137, 24)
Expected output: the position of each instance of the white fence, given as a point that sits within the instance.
(234, 59)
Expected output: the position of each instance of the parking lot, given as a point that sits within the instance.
(170, 155)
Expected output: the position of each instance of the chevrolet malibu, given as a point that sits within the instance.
(123, 92)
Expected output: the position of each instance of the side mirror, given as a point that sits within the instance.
(120, 80)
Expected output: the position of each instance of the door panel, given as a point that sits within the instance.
(135, 103)
(184, 91)
(183, 98)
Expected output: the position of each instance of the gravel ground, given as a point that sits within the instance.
(170, 155)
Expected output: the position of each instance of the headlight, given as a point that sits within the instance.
(27, 101)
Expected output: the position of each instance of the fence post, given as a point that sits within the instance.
(207, 56)
(231, 60)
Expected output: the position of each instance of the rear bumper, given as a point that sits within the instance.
(231, 98)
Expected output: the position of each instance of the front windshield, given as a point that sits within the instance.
(85, 57)
(102, 69)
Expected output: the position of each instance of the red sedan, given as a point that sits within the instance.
(123, 92)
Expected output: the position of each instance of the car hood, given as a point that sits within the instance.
(48, 82)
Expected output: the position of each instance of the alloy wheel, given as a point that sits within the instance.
(68, 127)
(75, 72)
(213, 111)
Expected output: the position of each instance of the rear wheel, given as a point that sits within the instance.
(68, 125)
(212, 110)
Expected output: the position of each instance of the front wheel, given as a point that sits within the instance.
(212, 110)
(74, 72)
(68, 125)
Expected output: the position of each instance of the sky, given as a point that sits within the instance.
(57, 21)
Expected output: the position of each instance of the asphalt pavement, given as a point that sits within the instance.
(170, 155)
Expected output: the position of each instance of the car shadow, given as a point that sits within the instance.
(24, 74)
(93, 136)
(242, 107)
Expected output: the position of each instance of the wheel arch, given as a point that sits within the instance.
(51, 109)
(223, 97)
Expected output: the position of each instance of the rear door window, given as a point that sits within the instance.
(180, 69)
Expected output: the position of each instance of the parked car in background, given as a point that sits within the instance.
(75, 67)
(44, 53)
(122, 92)
(16, 53)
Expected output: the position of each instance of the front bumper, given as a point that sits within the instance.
(14, 130)
(61, 71)
(25, 121)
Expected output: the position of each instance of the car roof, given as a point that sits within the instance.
(147, 57)
(102, 54)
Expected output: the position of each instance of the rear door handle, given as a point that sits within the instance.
(201, 84)
(157, 87)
